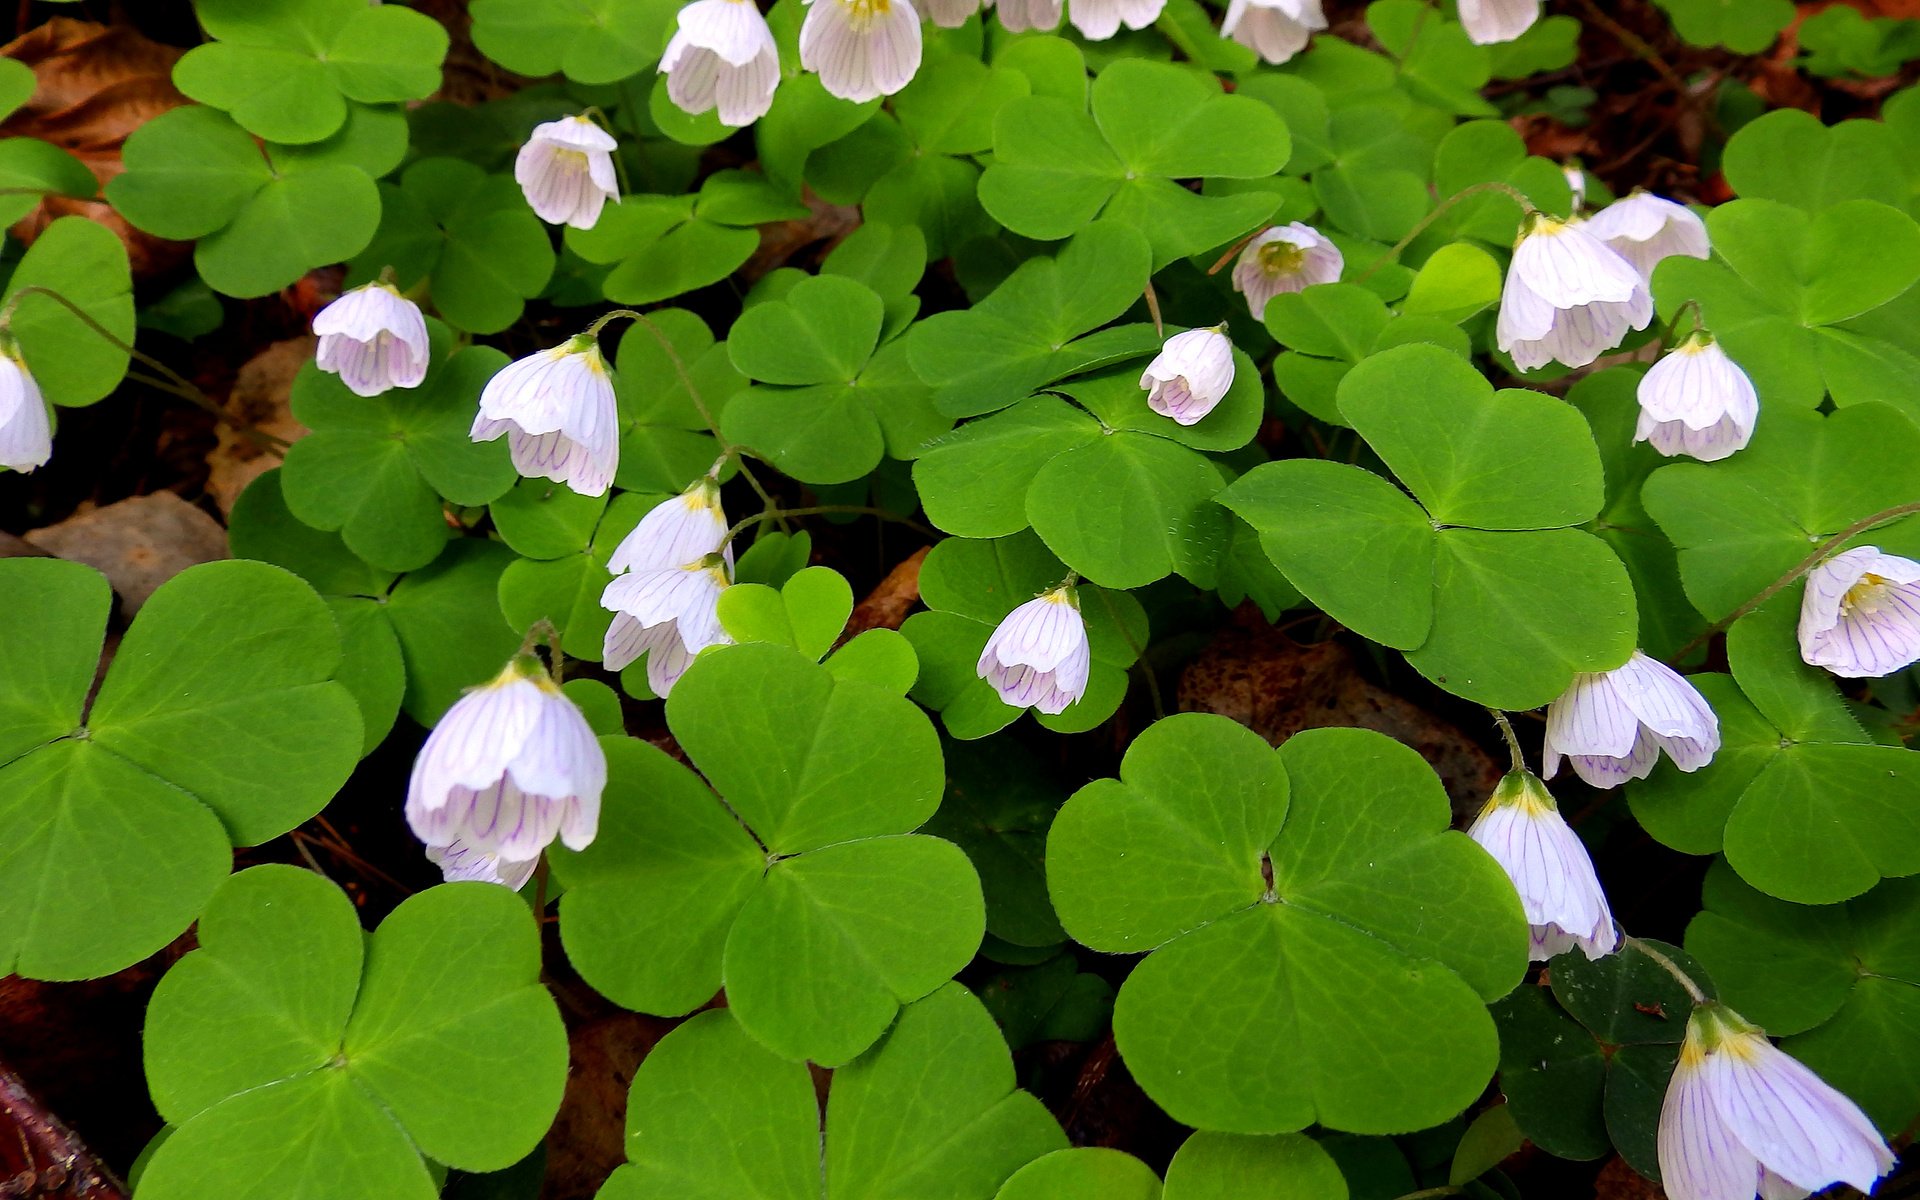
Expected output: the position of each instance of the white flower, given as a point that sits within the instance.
(1523, 829)
(1643, 229)
(1276, 30)
(862, 49)
(1612, 725)
(511, 765)
(669, 613)
(557, 408)
(1860, 617)
(1697, 401)
(1098, 20)
(1744, 1118)
(1569, 298)
(26, 435)
(722, 55)
(1019, 16)
(374, 339)
(1576, 186)
(675, 532)
(1039, 657)
(1190, 375)
(951, 14)
(1490, 21)
(566, 171)
(1286, 258)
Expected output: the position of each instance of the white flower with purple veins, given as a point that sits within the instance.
(1490, 21)
(1743, 1118)
(566, 171)
(862, 49)
(1020, 16)
(951, 14)
(722, 56)
(1190, 375)
(1286, 258)
(674, 532)
(1276, 30)
(1522, 828)
(1039, 656)
(1860, 617)
(374, 339)
(1644, 229)
(1696, 401)
(1098, 20)
(1612, 725)
(557, 409)
(1569, 298)
(26, 435)
(511, 765)
(670, 614)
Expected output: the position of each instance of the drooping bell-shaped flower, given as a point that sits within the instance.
(1860, 617)
(1020, 16)
(1286, 258)
(566, 171)
(722, 56)
(1569, 298)
(1611, 725)
(511, 765)
(374, 339)
(674, 532)
(1743, 1118)
(1098, 20)
(1038, 657)
(1190, 375)
(26, 434)
(670, 614)
(1276, 30)
(558, 411)
(1644, 229)
(951, 14)
(1490, 21)
(1522, 828)
(1696, 401)
(861, 49)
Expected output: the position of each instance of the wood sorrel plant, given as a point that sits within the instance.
(1133, 373)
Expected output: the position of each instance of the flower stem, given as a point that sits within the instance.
(1806, 564)
(1513, 740)
(1673, 326)
(1424, 223)
(1666, 963)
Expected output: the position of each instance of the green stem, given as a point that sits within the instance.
(1513, 740)
(1806, 564)
(1669, 966)
(814, 510)
(1424, 223)
(1673, 326)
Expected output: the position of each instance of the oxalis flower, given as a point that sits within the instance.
(1039, 656)
(1490, 21)
(512, 765)
(1611, 725)
(1522, 828)
(1697, 402)
(557, 409)
(1286, 258)
(1645, 229)
(26, 435)
(566, 171)
(374, 339)
(1860, 617)
(670, 614)
(1098, 20)
(1020, 16)
(1743, 1118)
(862, 49)
(1190, 375)
(1569, 298)
(1276, 30)
(684, 529)
(722, 56)
(951, 14)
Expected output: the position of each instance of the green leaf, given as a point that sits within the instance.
(1231, 1166)
(17, 84)
(973, 482)
(659, 249)
(118, 821)
(452, 633)
(1050, 1002)
(31, 169)
(665, 439)
(189, 171)
(565, 590)
(823, 332)
(277, 1032)
(1083, 1173)
(1792, 157)
(596, 41)
(1487, 1143)
(997, 808)
(1348, 987)
(1128, 509)
(1457, 281)
(86, 264)
(1553, 1074)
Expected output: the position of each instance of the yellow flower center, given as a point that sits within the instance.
(1865, 596)
(865, 12)
(1281, 258)
(573, 160)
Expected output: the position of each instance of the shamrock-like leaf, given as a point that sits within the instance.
(118, 819)
(1743, 26)
(83, 262)
(591, 41)
(293, 1054)
(564, 540)
(1322, 944)
(31, 170)
(660, 247)
(1083, 1173)
(1329, 329)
